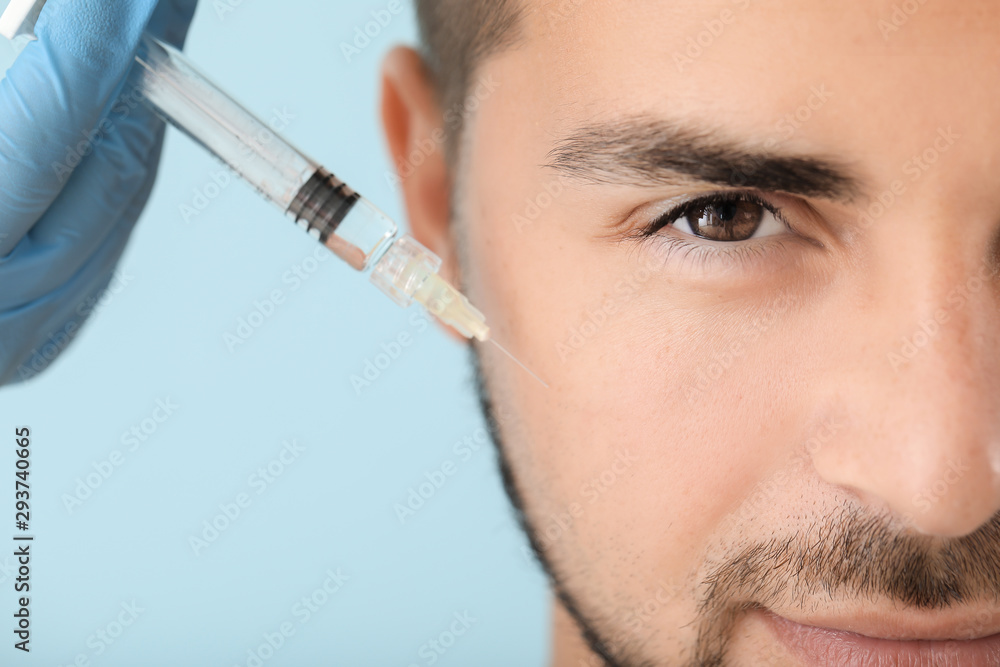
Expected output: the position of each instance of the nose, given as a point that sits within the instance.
(920, 408)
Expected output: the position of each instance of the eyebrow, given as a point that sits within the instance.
(642, 151)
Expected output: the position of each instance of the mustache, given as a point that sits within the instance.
(856, 555)
(850, 555)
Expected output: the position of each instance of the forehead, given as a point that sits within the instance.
(856, 77)
(612, 45)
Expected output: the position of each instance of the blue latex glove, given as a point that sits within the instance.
(69, 197)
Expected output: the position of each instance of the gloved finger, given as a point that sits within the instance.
(33, 336)
(171, 20)
(93, 203)
(55, 95)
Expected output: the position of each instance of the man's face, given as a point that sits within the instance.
(784, 402)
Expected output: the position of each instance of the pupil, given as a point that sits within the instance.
(726, 210)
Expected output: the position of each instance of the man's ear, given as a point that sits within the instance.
(414, 128)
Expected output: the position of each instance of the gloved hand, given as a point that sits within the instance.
(78, 156)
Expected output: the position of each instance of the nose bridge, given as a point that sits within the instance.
(925, 392)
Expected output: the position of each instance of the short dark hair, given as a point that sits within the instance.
(457, 36)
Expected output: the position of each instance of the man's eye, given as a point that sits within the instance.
(724, 217)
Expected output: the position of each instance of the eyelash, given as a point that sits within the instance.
(701, 251)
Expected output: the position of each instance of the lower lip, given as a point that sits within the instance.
(821, 647)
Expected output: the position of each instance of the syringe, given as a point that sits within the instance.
(331, 212)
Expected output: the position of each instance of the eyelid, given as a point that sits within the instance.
(681, 207)
(715, 256)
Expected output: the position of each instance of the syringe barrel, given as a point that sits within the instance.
(331, 212)
(183, 96)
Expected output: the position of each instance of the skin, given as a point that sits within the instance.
(812, 417)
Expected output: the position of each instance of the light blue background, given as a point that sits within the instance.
(183, 286)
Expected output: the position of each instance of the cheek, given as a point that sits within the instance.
(647, 452)
(661, 412)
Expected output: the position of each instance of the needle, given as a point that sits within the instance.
(504, 350)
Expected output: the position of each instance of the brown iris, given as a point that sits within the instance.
(734, 220)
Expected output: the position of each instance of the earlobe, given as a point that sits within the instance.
(414, 130)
